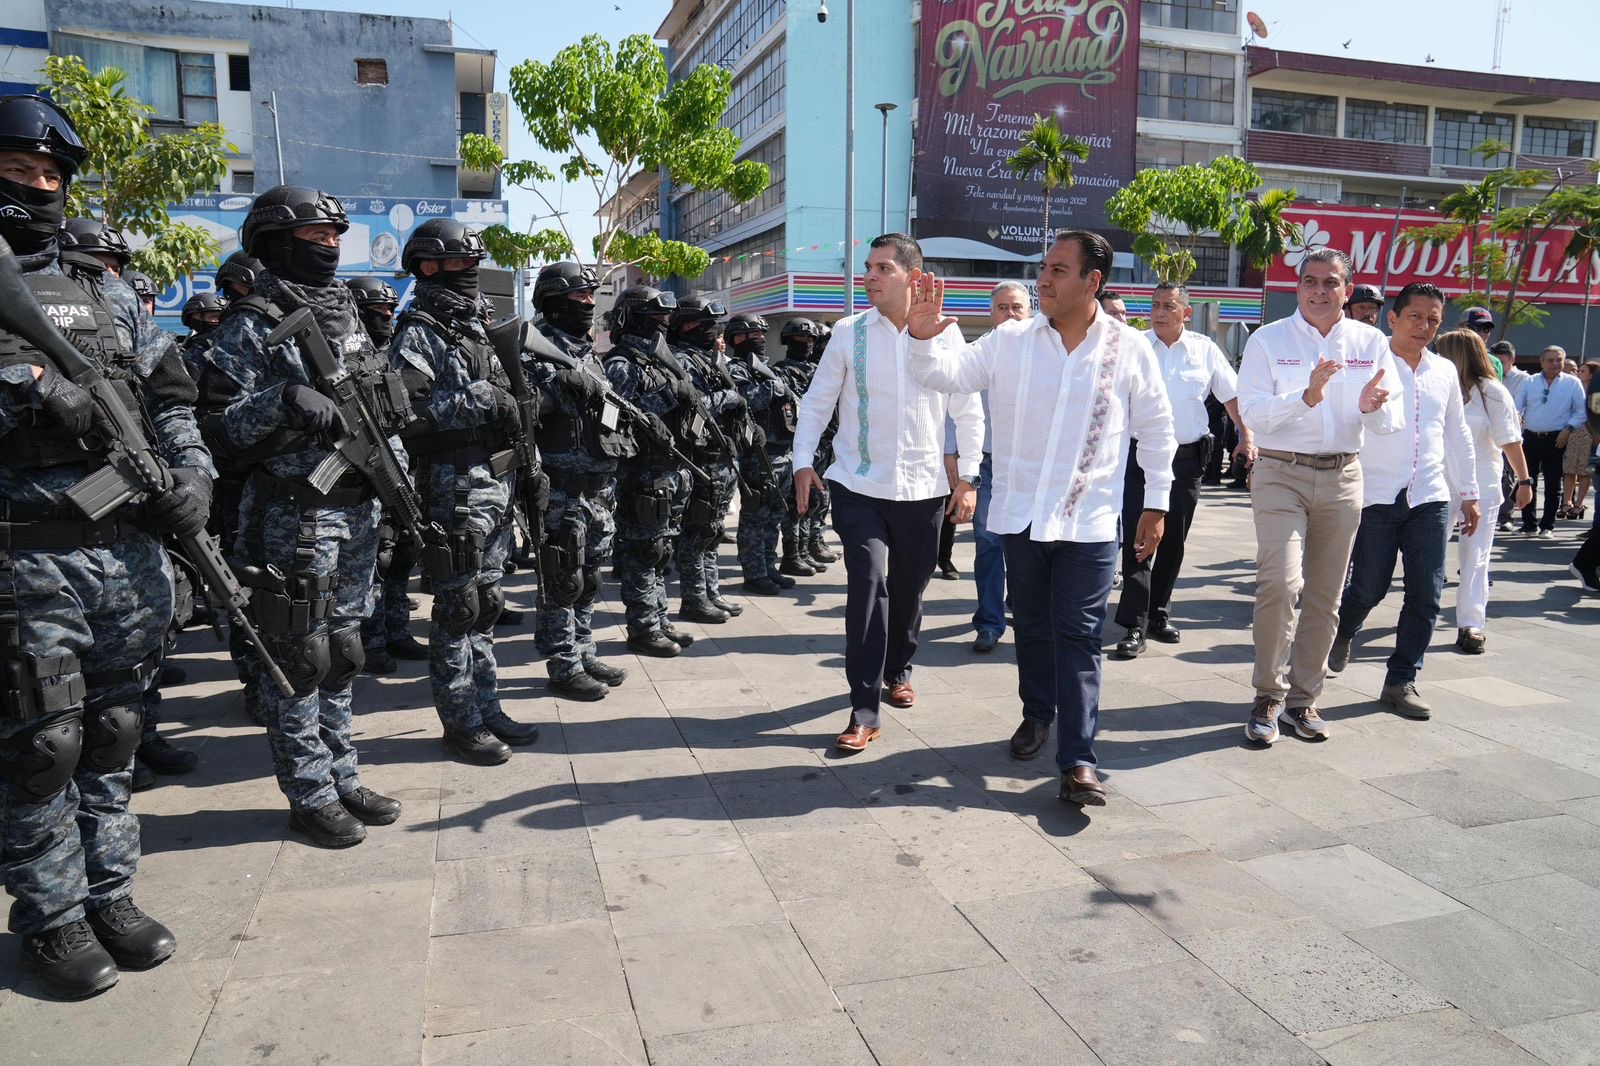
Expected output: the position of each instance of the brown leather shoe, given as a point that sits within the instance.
(856, 738)
(1029, 739)
(902, 695)
(1081, 785)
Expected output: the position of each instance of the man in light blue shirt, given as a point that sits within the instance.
(1551, 407)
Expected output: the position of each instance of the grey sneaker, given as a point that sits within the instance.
(1262, 728)
(1403, 699)
(1339, 654)
(1307, 722)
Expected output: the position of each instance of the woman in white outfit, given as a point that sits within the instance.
(1492, 418)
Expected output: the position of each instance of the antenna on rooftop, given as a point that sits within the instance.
(1501, 18)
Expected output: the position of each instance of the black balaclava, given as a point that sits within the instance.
(300, 261)
(799, 349)
(570, 316)
(379, 324)
(29, 217)
(750, 345)
(464, 283)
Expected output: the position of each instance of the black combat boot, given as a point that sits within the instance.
(677, 636)
(172, 676)
(780, 579)
(580, 686)
(510, 618)
(163, 758)
(329, 826)
(611, 675)
(515, 733)
(144, 778)
(817, 548)
(68, 961)
(477, 746)
(728, 606)
(762, 586)
(407, 647)
(795, 566)
(703, 612)
(379, 661)
(371, 808)
(133, 938)
(657, 645)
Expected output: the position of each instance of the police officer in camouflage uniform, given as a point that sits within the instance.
(307, 555)
(772, 407)
(83, 605)
(202, 314)
(143, 288)
(581, 444)
(386, 632)
(461, 458)
(803, 343)
(236, 277)
(692, 332)
(651, 486)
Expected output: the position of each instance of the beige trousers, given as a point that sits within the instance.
(1306, 522)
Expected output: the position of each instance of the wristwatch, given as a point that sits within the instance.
(976, 481)
(1525, 481)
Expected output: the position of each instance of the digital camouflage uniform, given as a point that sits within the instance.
(651, 487)
(458, 391)
(708, 502)
(806, 529)
(580, 525)
(324, 547)
(89, 621)
(772, 408)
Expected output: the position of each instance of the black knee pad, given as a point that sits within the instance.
(303, 658)
(455, 613)
(110, 737)
(658, 552)
(48, 755)
(491, 601)
(591, 585)
(346, 656)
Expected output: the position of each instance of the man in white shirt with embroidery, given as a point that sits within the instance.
(1066, 387)
(1310, 385)
(1408, 478)
(1192, 368)
(887, 481)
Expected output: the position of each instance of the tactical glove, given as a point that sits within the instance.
(185, 508)
(70, 408)
(309, 409)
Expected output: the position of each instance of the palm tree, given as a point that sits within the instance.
(1049, 151)
(1268, 233)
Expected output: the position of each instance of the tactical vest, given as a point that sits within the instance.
(780, 417)
(482, 365)
(84, 321)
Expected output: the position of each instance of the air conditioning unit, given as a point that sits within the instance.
(1436, 171)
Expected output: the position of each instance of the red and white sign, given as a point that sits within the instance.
(1367, 235)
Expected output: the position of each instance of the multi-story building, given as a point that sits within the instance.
(368, 107)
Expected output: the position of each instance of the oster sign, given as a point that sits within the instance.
(988, 67)
(1368, 237)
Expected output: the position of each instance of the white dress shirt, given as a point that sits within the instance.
(1193, 366)
(1492, 421)
(890, 442)
(1516, 380)
(1276, 369)
(1432, 455)
(1061, 422)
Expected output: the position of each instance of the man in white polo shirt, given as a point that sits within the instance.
(1407, 480)
(1310, 386)
(1066, 388)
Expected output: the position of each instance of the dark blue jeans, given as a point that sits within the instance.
(1391, 531)
(1058, 603)
(989, 567)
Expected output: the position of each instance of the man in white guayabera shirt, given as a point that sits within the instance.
(1066, 388)
(1409, 478)
(887, 481)
(1309, 386)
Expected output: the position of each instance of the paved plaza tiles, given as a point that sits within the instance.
(686, 872)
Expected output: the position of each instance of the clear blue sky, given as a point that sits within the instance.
(1545, 38)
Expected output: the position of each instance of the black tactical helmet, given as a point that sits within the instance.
(440, 238)
(558, 279)
(799, 327)
(642, 311)
(141, 284)
(370, 290)
(240, 268)
(198, 304)
(34, 124)
(92, 235)
(285, 208)
(743, 323)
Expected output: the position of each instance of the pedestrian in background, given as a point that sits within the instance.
(1551, 407)
(1576, 457)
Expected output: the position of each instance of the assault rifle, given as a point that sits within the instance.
(533, 487)
(133, 466)
(669, 365)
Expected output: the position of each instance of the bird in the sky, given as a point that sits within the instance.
(1347, 44)
(1428, 60)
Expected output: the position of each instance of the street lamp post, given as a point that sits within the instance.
(849, 156)
(883, 204)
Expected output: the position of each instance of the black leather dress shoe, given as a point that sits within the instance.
(1132, 645)
(371, 808)
(478, 747)
(1164, 631)
(508, 729)
(133, 938)
(655, 645)
(329, 826)
(68, 961)
(985, 643)
(1028, 740)
(407, 647)
(611, 675)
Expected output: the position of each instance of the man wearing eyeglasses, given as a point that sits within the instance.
(1551, 406)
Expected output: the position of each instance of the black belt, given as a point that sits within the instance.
(1542, 432)
(575, 484)
(352, 490)
(47, 527)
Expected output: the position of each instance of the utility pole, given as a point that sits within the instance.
(883, 204)
(277, 134)
(1501, 18)
(850, 157)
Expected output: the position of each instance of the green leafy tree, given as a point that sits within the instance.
(1168, 213)
(131, 176)
(1501, 240)
(1048, 154)
(618, 99)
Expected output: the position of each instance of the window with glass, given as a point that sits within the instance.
(1457, 134)
(702, 215)
(1374, 120)
(757, 97)
(1282, 112)
(1572, 137)
(1161, 153)
(762, 257)
(1185, 86)
(1213, 16)
(741, 26)
(181, 86)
